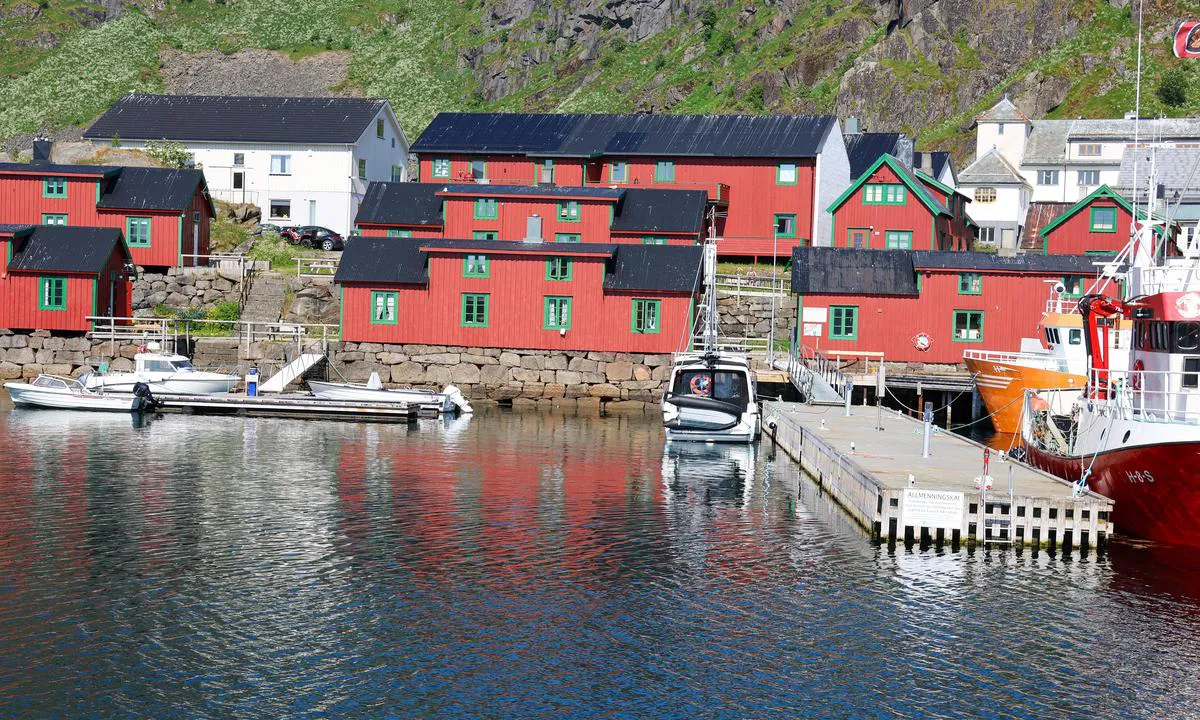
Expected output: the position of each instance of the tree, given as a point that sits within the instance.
(1172, 89)
(169, 153)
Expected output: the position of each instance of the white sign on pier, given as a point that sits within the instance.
(932, 509)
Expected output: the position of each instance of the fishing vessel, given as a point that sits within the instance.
(451, 398)
(1055, 359)
(165, 374)
(67, 393)
(711, 395)
(1134, 434)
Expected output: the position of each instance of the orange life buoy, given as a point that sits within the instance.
(922, 342)
(1136, 378)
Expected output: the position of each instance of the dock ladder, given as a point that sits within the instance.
(997, 509)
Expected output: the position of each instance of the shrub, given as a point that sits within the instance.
(168, 153)
(116, 140)
(708, 20)
(1172, 89)
(722, 43)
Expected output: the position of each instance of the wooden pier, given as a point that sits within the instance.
(881, 480)
(304, 407)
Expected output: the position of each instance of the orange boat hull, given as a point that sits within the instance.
(1002, 385)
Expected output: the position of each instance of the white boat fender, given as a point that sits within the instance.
(454, 397)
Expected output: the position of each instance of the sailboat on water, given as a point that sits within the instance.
(711, 394)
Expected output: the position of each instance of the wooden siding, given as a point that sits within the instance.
(503, 169)
(164, 236)
(636, 238)
(953, 233)
(1075, 237)
(21, 201)
(879, 220)
(19, 303)
(516, 287)
(1012, 304)
(510, 224)
(427, 232)
(118, 292)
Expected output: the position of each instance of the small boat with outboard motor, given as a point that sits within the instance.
(164, 374)
(450, 399)
(68, 393)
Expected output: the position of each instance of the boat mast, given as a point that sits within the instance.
(710, 307)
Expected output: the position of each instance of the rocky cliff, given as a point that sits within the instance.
(922, 66)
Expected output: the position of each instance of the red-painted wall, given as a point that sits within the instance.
(417, 232)
(1074, 237)
(19, 303)
(748, 185)
(953, 233)
(164, 236)
(595, 218)
(912, 217)
(119, 293)
(21, 200)
(638, 238)
(600, 320)
(1012, 305)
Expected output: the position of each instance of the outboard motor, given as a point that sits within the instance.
(146, 399)
(454, 401)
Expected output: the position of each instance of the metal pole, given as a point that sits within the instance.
(880, 388)
(848, 389)
(928, 429)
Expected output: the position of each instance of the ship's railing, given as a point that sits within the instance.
(1176, 277)
(1066, 306)
(174, 330)
(1040, 361)
(1163, 396)
(751, 285)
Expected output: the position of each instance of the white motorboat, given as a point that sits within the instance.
(165, 374)
(711, 395)
(451, 399)
(66, 393)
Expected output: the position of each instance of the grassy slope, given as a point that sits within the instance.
(407, 51)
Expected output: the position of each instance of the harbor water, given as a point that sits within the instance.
(529, 565)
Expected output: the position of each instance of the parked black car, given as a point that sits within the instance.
(315, 236)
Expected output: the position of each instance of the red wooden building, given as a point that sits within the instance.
(768, 178)
(924, 306)
(1099, 223)
(529, 295)
(543, 212)
(164, 213)
(891, 207)
(55, 277)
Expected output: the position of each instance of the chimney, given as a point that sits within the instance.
(41, 150)
(533, 229)
(852, 126)
(926, 163)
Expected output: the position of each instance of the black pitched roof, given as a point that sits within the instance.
(783, 136)
(938, 160)
(53, 169)
(382, 260)
(663, 268)
(1028, 262)
(236, 119)
(850, 271)
(13, 229)
(481, 190)
(671, 211)
(401, 203)
(61, 248)
(141, 188)
(863, 149)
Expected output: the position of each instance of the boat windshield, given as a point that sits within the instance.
(46, 381)
(160, 366)
(727, 385)
(184, 365)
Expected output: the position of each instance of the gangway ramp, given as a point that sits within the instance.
(290, 372)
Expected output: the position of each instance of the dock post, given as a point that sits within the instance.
(848, 391)
(920, 396)
(976, 402)
(880, 389)
(928, 426)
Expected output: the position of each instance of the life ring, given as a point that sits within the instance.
(700, 385)
(1135, 378)
(142, 348)
(922, 342)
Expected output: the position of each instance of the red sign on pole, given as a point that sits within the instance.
(1187, 39)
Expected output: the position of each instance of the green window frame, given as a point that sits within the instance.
(362, 168)
(650, 240)
(664, 171)
(52, 293)
(1073, 286)
(137, 231)
(474, 309)
(568, 211)
(546, 171)
(399, 232)
(476, 266)
(397, 173)
(556, 312)
(646, 316)
(54, 187)
(54, 219)
(484, 235)
(440, 168)
(566, 237)
(898, 239)
(1103, 219)
(618, 171)
(970, 284)
(487, 209)
(843, 322)
(383, 307)
(558, 268)
(968, 326)
(884, 194)
(785, 225)
(784, 170)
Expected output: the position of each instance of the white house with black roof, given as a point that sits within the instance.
(303, 161)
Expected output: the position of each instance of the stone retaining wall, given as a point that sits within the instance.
(750, 316)
(180, 289)
(27, 355)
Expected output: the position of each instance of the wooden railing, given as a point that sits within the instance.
(316, 267)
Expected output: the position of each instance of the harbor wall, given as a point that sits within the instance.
(185, 289)
(27, 355)
(750, 316)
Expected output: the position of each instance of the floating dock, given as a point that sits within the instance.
(867, 471)
(298, 406)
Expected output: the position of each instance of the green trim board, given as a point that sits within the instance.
(476, 266)
(558, 268)
(1106, 222)
(795, 173)
(474, 310)
(884, 194)
(399, 232)
(137, 231)
(52, 293)
(972, 322)
(970, 283)
(568, 211)
(439, 168)
(785, 234)
(54, 187)
(54, 218)
(843, 322)
(913, 185)
(383, 307)
(1103, 191)
(556, 312)
(96, 299)
(487, 209)
(898, 239)
(646, 316)
(566, 237)
(664, 171)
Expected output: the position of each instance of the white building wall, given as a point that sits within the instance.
(833, 177)
(1006, 214)
(1008, 138)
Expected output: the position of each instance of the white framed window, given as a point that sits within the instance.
(1088, 177)
(987, 235)
(239, 159)
(1047, 177)
(362, 168)
(281, 164)
(397, 173)
(281, 209)
(1089, 149)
